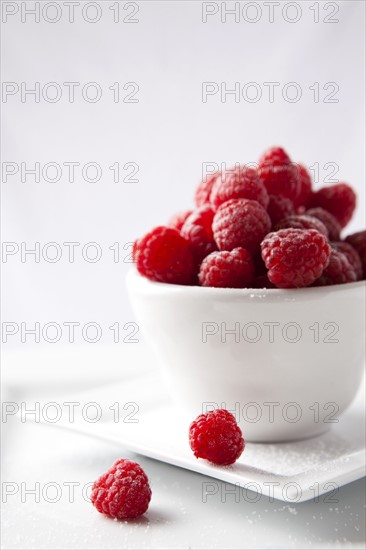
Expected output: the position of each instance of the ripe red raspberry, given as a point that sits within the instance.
(305, 187)
(240, 223)
(123, 492)
(279, 208)
(330, 222)
(164, 255)
(302, 222)
(279, 175)
(339, 200)
(238, 183)
(224, 269)
(295, 257)
(216, 437)
(197, 229)
(358, 241)
(204, 188)
(178, 220)
(352, 256)
(337, 272)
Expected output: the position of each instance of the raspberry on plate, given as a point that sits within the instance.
(204, 188)
(279, 175)
(279, 208)
(197, 229)
(295, 258)
(358, 241)
(164, 255)
(330, 222)
(305, 187)
(215, 436)
(352, 256)
(339, 200)
(178, 219)
(123, 492)
(240, 223)
(224, 269)
(238, 183)
(338, 271)
(302, 222)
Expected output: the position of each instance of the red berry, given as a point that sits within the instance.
(178, 220)
(215, 436)
(358, 241)
(330, 222)
(164, 255)
(338, 271)
(278, 174)
(224, 269)
(204, 188)
(305, 187)
(197, 229)
(352, 256)
(123, 492)
(279, 208)
(295, 257)
(238, 183)
(339, 200)
(240, 223)
(302, 222)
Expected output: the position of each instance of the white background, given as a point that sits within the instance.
(170, 133)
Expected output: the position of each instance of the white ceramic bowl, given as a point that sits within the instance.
(285, 362)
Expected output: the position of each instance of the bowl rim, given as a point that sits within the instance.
(133, 278)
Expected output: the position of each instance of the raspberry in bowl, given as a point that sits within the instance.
(264, 319)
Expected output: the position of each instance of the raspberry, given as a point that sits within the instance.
(123, 492)
(330, 222)
(239, 183)
(178, 220)
(302, 222)
(338, 271)
(224, 269)
(295, 257)
(339, 200)
(164, 255)
(240, 223)
(279, 208)
(305, 187)
(204, 188)
(352, 256)
(358, 241)
(278, 174)
(262, 281)
(216, 437)
(198, 230)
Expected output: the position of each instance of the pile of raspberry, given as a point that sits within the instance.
(258, 228)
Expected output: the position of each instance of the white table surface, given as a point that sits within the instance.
(178, 517)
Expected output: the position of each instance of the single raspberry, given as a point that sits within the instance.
(302, 222)
(224, 269)
(240, 223)
(279, 175)
(295, 257)
(279, 208)
(352, 256)
(216, 437)
(123, 492)
(358, 241)
(178, 220)
(305, 187)
(204, 188)
(238, 183)
(330, 222)
(197, 229)
(164, 255)
(339, 200)
(262, 281)
(337, 272)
